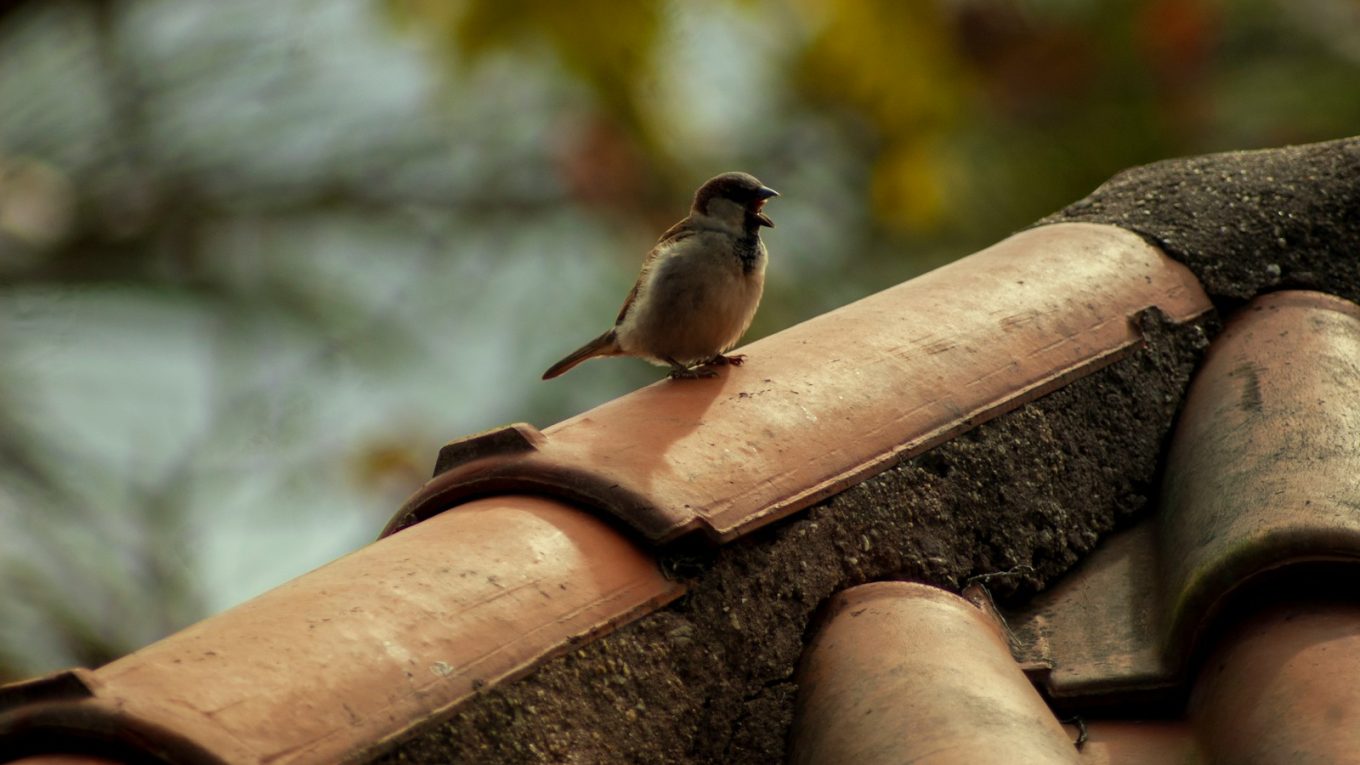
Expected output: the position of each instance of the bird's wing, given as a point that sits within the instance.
(682, 230)
(628, 302)
(685, 227)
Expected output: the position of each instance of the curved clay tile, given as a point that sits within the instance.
(841, 397)
(908, 673)
(336, 661)
(904, 672)
(344, 659)
(1264, 468)
(1284, 686)
(1261, 477)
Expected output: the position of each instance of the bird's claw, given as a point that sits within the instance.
(736, 360)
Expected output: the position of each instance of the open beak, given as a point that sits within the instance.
(764, 194)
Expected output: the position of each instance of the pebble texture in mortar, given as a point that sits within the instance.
(1245, 222)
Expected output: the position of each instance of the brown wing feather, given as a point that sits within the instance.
(675, 233)
(628, 301)
(682, 228)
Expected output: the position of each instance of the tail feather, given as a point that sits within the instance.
(604, 345)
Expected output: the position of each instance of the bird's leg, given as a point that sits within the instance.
(736, 360)
(681, 372)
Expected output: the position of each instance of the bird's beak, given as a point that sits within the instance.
(762, 194)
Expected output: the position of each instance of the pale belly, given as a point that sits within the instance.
(691, 312)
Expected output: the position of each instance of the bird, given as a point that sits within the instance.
(699, 286)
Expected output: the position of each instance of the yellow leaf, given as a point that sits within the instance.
(908, 191)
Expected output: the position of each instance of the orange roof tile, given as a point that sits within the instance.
(903, 672)
(1260, 477)
(1284, 686)
(811, 413)
(340, 659)
(356, 655)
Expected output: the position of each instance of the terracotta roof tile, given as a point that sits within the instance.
(408, 628)
(335, 661)
(1284, 686)
(1261, 475)
(65, 760)
(811, 413)
(356, 655)
(1262, 479)
(905, 672)
(1136, 742)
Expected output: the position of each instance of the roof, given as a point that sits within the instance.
(661, 459)
(1211, 617)
(641, 582)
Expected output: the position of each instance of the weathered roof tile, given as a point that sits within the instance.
(812, 413)
(338, 660)
(903, 672)
(1261, 475)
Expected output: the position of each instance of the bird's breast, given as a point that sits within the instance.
(697, 300)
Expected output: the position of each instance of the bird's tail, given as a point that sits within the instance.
(604, 345)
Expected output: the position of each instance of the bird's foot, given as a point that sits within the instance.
(736, 360)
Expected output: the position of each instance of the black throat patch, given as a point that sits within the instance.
(748, 245)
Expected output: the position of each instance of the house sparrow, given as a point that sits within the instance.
(699, 286)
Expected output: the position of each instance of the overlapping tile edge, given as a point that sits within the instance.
(956, 347)
(1261, 484)
(1260, 477)
(932, 362)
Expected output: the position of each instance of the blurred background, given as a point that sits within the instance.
(259, 259)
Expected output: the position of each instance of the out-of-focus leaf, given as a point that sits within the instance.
(607, 44)
(895, 64)
(37, 204)
(892, 61)
(908, 184)
(390, 463)
(1176, 36)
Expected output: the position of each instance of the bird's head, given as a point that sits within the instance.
(734, 199)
